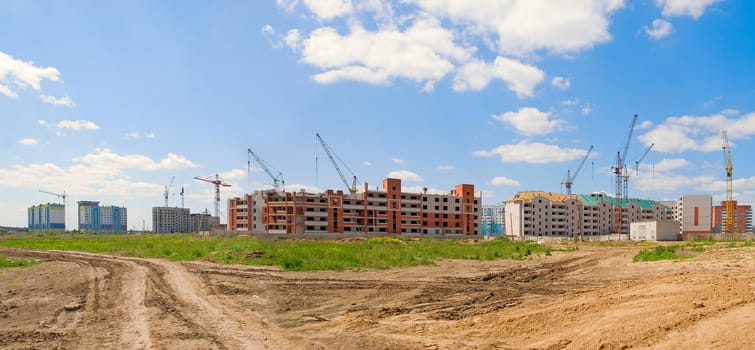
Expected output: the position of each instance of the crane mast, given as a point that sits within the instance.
(729, 223)
(167, 189)
(353, 186)
(277, 179)
(217, 182)
(569, 178)
(619, 171)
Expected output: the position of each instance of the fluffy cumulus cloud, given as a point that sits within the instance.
(691, 8)
(100, 173)
(519, 77)
(532, 152)
(78, 125)
(503, 181)
(561, 83)
(234, 174)
(405, 175)
(531, 121)
(698, 133)
(423, 52)
(525, 26)
(426, 41)
(63, 101)
(22, 74)
(660, 29)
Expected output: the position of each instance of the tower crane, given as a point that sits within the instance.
(637, 170)
(277, 179)
(729, 223)
(618, 170)
(353, 186)
(167, 189)
(182, 196)
(217, 182)
(569, 178)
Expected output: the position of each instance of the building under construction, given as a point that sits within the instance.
(371, 212)
(537, 213)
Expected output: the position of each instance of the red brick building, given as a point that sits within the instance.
(386, 211)
(742, 217)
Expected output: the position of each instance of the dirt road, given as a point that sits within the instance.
(595, 298)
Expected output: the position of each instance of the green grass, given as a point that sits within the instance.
(4, 262)
(289, 254)
(671, 252)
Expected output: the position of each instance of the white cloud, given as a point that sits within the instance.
(28, 141)
(293, 39)
(691, 8)
(535, 152)
(404, 175)
(670, 164)
(526, 26)
(328, 9)
(569, 102)
(107, 159)
(645, 124)
(503, 181)
(23, 74)
(63, 101)
(561, 83)
(398, 161)
(423, 52)
(730, 112)
(586, 109)
(138, 135)
(698, 133)
(7, 92)
(530, 121)
(233, 174)
(367, 163)
(78, 125)
(445, 167)
(42, 122)
(288, 5)
(520, 78)
(660, 29)
(421, 189)
(269, 33)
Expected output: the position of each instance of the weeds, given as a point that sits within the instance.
(4, 262)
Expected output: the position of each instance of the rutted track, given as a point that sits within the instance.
(593, 298)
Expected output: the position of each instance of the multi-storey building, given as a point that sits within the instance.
(386, 211)
(93, 217)
(170, 220)
(50, 216)
(742, 217)
(694, 213)
(492, 223)
(536, 213)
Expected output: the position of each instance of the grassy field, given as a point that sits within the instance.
(289, 254)
(4, 262)
(685, 251)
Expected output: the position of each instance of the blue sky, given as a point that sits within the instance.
(108, 100)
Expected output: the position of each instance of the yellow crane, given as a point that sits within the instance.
(729, 222)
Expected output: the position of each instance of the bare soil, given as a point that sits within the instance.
(595, 298)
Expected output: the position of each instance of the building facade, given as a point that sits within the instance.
(96, 218)
(170, 220)
(50, 216)
(694, 212)
(537, 213)
(742, 217)
(492, 222)
(386, 211)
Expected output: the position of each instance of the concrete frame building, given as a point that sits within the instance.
(742, 217)
(492, 221)
(537, 213)
(170, 220)
(50, 216)
(93, 217)
(386, 211)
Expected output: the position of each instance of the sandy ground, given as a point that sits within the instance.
(594, 298)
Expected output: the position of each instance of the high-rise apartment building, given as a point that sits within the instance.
(492, 220)
(93, 217)
(50, 216)
(742, 217)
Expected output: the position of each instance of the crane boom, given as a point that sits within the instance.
(569, 178)
(217, 182)
(619, 170)
(644, 154)
(277, 180)
(353, 187)
(729, 223)
(61, 196)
